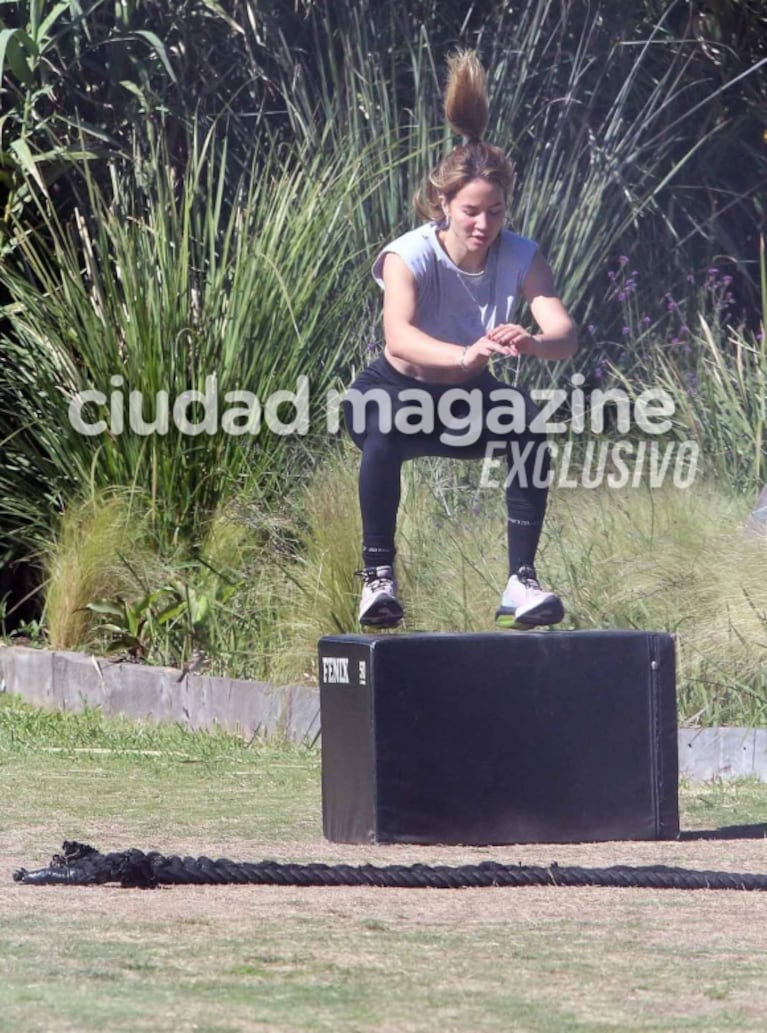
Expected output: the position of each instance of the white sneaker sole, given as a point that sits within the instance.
(383, 613)
(548, 611)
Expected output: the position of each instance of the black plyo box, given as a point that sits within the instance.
(499, 737)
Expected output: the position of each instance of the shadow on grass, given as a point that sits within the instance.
(727, 832)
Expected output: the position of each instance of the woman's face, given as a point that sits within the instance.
(477, 213)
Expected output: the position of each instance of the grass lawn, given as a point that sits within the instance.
(225, 959)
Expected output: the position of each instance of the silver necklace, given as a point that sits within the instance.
(480, 280)
(475, 284)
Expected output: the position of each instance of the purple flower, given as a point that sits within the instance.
(713, 271)
(623, 260)
(690, 278)
(684, 330)
(671, 306)
(591, 328)
(611, 275)
(726, 280)
(621, 295)
(626, 330)
(645, 321)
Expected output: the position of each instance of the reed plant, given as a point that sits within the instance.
(720, 396)
(664, 559)
(161, 287)
(712, 367)
(606, 151)
(609, 114)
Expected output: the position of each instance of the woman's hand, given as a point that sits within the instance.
(476, 357)
(515, 339)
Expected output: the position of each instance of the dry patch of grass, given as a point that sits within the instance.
(264, 958)
(283, 960)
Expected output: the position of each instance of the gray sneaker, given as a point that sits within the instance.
(526, 605)
(379, 606)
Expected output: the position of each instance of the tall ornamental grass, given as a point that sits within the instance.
(720, 393)
(101, 550)
(164, 285)
(176, 267)
(194, 268)
(608, 136)
(710, 365)
(615, 119)
(660, 559)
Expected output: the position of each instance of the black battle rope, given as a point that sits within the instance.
(82, 865)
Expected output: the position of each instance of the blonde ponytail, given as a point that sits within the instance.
(466, 102)
(466, 112)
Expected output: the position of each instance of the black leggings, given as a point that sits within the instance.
(389, 415)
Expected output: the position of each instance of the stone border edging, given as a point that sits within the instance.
(74, 681)
(706, 753)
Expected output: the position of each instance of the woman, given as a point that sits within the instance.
(450, 290)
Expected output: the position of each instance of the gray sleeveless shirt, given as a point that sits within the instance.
(453, 305)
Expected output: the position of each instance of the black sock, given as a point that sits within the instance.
(377, 555)
(523, 537)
